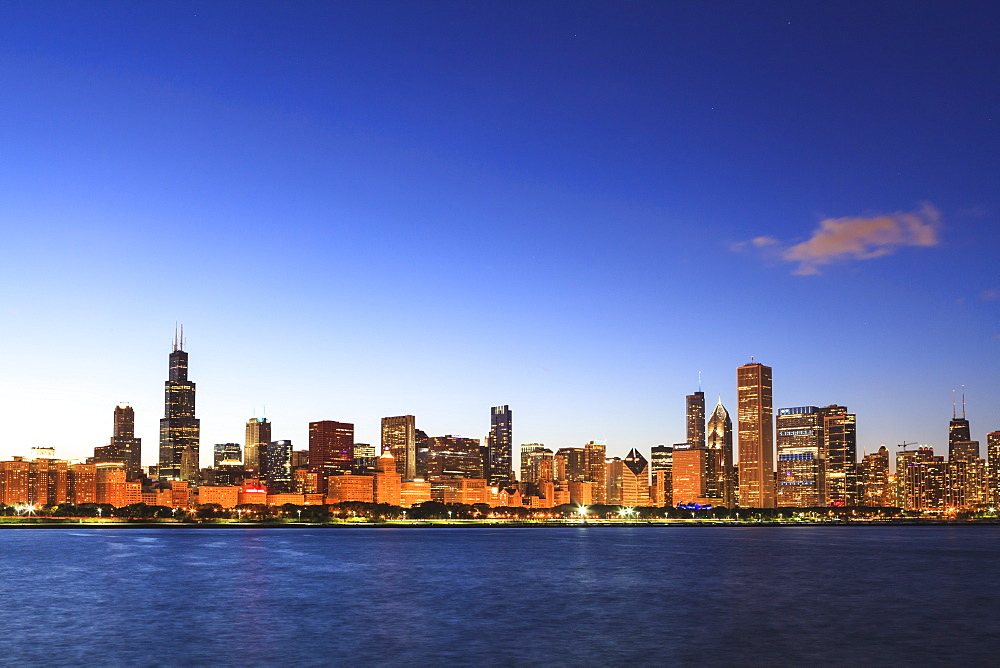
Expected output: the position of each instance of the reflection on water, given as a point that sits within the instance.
(570, 596)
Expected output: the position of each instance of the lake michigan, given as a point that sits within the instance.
(643, 595)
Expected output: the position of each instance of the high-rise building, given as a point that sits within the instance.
(399, 435)
(526, 450)
(500, 446)
(993, 452)
(180, 430)
(635, 480)
(801, 480)
(331, 449)
(128, 447)
(278, 466)
(258, 435)
(756, 435)
(226, 452)
(613, 472)
(695, 415)
(840, 454)
(571, 464)
(455, 456)
(661, 467)
(595, 454)
(719, 439)
(875, 479)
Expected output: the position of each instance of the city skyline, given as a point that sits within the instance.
(430, 209)
(396, 434)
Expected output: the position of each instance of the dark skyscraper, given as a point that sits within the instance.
(840, 451)
(179, 429)
(277, 458)
(331, 449)
(696, 419)
(124, 446)
(499, 446)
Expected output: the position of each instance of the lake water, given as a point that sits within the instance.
(500, 596)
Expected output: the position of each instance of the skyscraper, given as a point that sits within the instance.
(695, 414)
(840, 452)
(875, 479)
(499, 446)
(756, 434)
(124, 448)
(801, 481)
(331, 449)
(180, 430)
(719, 439)
(635, 480)
(993, 452)
(595, 454)
(278, 466)
(226, 452)
(399, 435)
(661, 467)
(258, 435)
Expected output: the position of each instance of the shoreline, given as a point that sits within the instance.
(470, 524)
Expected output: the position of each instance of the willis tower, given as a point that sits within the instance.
(179, 429)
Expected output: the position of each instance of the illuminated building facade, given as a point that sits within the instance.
(257, 436)
(226, 452)
(719, 439)
(331, 449)
(695, 418)
(635, 480)
(661, 466)
(993, 452)
(399, 435)
(455, 456)
(840, 454)
(613, 481)
(387, 480)
(571, 464)
(180, 430)
(874, 479)
(499, 446)
(801, 480)
(526, 450)
(277, 467)
(595, 453)
(756, 435)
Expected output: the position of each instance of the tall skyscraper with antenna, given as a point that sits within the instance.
(695, 414)
(180, 430)
(960, 443)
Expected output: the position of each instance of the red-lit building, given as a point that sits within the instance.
(331, 449)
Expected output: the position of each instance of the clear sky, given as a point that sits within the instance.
(361, 209)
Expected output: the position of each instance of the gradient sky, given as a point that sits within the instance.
(361, 209)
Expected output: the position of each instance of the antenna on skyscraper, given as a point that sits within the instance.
(699, 381)
(953, 416)
(963, 402)
(182, 337)
(175, 336)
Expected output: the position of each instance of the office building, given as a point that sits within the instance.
(499, 446)
(635, 480)
(455, 456)
(571, 464)
(661, 466)
(613, 474)
(840, 454)
(124, 446)
(277, 467)
(695, 418)
(258, 435)
(399, 435)
(226, 452)
(180, 430)
(993, 453)
(874, 479)
(756, 436)
(719, 439)
(801, 479)
(331, 449)
(595, 455)
(526, 450)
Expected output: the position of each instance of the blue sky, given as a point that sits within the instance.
(369, 209)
